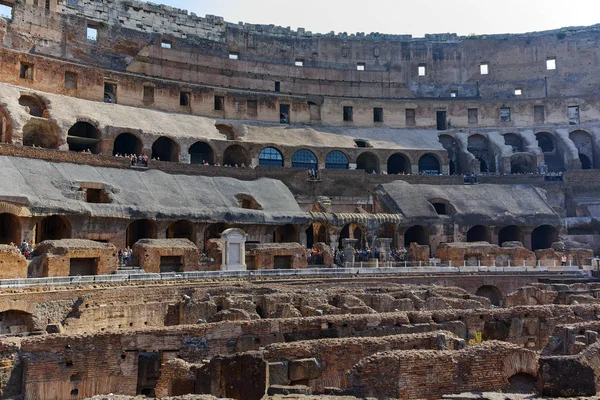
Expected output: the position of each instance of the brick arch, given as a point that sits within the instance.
(165, 149)
(520, 361)
(127, 142)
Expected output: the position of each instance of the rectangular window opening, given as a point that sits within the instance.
(219, 103)
(252, 108)
(518, 92)
(551, 63)
(184, 99)
(284, 113)
(573, 115)
(277, 86)
(96, 196)
(422, 69)
(70, 80)
(441, 120)
(299, 63)
(378, 114)
(505, 114)
(348, 114)
(148, 94)
(473, 116)
(6, 11)
(92, 34)
(233, 56)
(360, 66)
(166, 45)
(110, 92)
(484, 68)
(539, 115)
(26, 71)
(410, 117)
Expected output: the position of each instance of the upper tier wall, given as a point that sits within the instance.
(130, 36)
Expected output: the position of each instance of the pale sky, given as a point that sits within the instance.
(415, 17)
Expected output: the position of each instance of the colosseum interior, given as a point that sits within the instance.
(197, 209)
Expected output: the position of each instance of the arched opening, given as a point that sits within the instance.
(304, 159)
(522, 383)
(492, 293)
(41, 133)
(585, 147)
(236, 155)
(200, 153)
(429, 165)
(165, 149)
(182, 229)
(84, 136)
(368, 162)
(285, 234)
(417, 234)
(543, 236)
(322, 236)
(15, 322)
(547, 143)
(270, 157)
(351, 231)
(226, 130)
(449, 143)
(53, 227)
(140, 229)
(6, 126)
(478, 233)
(35, 106)
(522, 163)
(478, 145)
(214, 231)
(514, 141)
(10, 229)
(127, 143)
(442, 206)
(398, 164)
(336, 160)
(510, 233)
(310, 237)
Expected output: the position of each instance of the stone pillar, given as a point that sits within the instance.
(384, 248)
(526, 236)
(414, 168)
(349, 246)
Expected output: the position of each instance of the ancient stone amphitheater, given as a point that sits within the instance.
(195, 209)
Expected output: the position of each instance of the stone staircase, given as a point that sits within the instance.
(123, 269)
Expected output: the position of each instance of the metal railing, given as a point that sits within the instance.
(285, 273)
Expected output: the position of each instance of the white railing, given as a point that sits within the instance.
(283, 273)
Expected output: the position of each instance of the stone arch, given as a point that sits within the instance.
(321, 236)
(522, 383)
(236, 155)
(522, 163)
(10, 229)
(54, 227)
(552, 158)
(511, 233)
(140, 229)
(127, 143)
(15, 321)
(398, 163)
(336, 160)
(585, 147)
(492, 293)
(515, 141)
(479, 146)
(182, 229)
(429, 164)
(285, 234)
(36, 107)
(368, 162)
(520, 361)
(305, 159)
(449, 143)
(543, 236)
(351, 231)
(416, 234)
(165, 149)
(41, 133)
(227, 130)
(201, 152)
(84, 136)
(479, 233)
(270, 157)
(6, 126)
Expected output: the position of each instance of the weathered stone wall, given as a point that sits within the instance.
(264, 256)
(12, 263)
(149, 252)
(483, 253)
(55, 257)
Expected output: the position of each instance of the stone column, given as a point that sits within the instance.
(334, 240)
(526, 236)
(384, 248)
(349, 246)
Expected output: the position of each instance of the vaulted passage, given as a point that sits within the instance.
(54, 227)
(552, 158)
(285, 234)
(585, 147)
(368, 162)
(200, 153)
(478, 146)
(140, 229)
(182, 229)
(478, 233)
(449, 143)
(15, 322)
(236, 156)
(165, 149)
(429, 165)
(492, 293)
(10, 229)
(543, 236)
(398, 164)
(127, 143)
(417, 234)
(84, 136)
(34, 105)
(514, 141)
(510, 233)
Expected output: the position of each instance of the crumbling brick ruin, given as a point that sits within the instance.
(197, 209)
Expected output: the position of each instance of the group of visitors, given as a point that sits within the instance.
(125, 255)
(26, 249)
(217, 164)
(136, 160)
(313, 175)
(315, 257)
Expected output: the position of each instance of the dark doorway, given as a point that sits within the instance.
(83, 266)
(165, 149)
(416, 234)
(478, 233)
(140, 229)
(127, 143)
(586, 163)
(182, 229)
(441, 120)
(492, 293)
(171, 264)
(201, 153)
(310, 237)
(282, 262)
(543, 236)
(52, 228)
(236, 155)
(398, 164)
(368, 162)
(84, 137)
(148, 373)
(509, 234)
(10, 229)
(285, 234)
